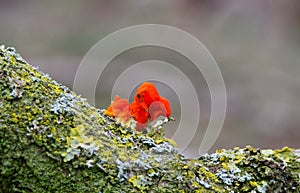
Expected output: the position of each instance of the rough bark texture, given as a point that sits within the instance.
(52, 140)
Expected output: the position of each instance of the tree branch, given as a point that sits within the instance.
(52, 140)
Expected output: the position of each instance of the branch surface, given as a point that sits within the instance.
(52, 140)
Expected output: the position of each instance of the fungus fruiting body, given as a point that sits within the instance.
(147, 106)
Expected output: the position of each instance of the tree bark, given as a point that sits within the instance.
(52, 140)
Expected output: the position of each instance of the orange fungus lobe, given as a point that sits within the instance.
(119, 108)
(138, 112)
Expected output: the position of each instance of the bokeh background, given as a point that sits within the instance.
(255, 43)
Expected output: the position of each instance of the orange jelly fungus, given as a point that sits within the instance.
(147, 105)
(119, 108)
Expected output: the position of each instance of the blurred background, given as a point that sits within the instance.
(255, 43)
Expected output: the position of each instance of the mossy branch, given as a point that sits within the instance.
(52, 140)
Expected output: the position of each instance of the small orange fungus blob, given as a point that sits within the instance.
(148, 105)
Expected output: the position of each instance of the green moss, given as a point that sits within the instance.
(53, 141)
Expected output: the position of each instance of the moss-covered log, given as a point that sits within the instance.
(52, 140)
